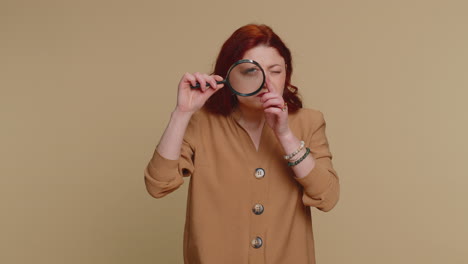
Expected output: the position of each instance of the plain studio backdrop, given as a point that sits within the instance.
(88, 86)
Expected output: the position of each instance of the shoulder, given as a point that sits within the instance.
(198, 121)
(307, 124)
(205, 116)
(204, 119)
(307, 118)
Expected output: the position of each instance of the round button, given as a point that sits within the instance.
(257, 242)
(258, 209)
(259, 173)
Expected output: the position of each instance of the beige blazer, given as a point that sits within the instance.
(244, 205)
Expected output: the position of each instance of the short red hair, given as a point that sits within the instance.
(243, 39)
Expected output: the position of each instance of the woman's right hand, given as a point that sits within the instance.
(191, 100)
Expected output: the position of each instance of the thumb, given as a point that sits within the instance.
(209, 92)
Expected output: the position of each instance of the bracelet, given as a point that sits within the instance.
(290, 164)
(295, 152)
(298, 156)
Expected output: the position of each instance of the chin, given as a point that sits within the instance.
(250, 103)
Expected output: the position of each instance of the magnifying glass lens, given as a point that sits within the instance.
(246, 78)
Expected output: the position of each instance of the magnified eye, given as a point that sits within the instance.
(250, 71)
(245, 77)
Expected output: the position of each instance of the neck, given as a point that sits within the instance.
(250, 118)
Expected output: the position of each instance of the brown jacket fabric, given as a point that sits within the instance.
(222, 161)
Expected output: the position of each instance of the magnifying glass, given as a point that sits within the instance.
(244, 78)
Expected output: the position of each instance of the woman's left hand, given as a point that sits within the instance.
(276, 113)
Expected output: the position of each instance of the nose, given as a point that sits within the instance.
(267, 84)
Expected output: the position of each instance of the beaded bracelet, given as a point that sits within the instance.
(290, 164)
(295, 152)
(298, 156)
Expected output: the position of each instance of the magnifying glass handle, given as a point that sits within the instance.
(207, 84)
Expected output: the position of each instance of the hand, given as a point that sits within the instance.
(276, 113)
(191, 100)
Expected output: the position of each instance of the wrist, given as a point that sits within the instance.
(289, 142)
(286, 136)
(179, 113)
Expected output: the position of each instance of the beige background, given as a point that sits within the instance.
(87, 88)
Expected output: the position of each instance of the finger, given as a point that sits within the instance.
(218, 86)
(218, 79)
(201, 80)
(273, 110)
(211, 80)
(269, 95)
(209, 92)
(280, 115)
(189, 78)
(274, 102)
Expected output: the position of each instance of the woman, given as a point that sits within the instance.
(257, 164)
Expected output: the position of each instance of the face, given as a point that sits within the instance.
(275, 74)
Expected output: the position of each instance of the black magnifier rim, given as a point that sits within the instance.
(240, 62)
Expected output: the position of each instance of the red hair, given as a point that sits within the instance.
(245, 38)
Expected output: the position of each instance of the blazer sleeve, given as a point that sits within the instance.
(163, 176)
(321, 186)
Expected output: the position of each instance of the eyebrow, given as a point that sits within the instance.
(274, 65)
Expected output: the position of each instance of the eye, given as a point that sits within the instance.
(250, 71)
